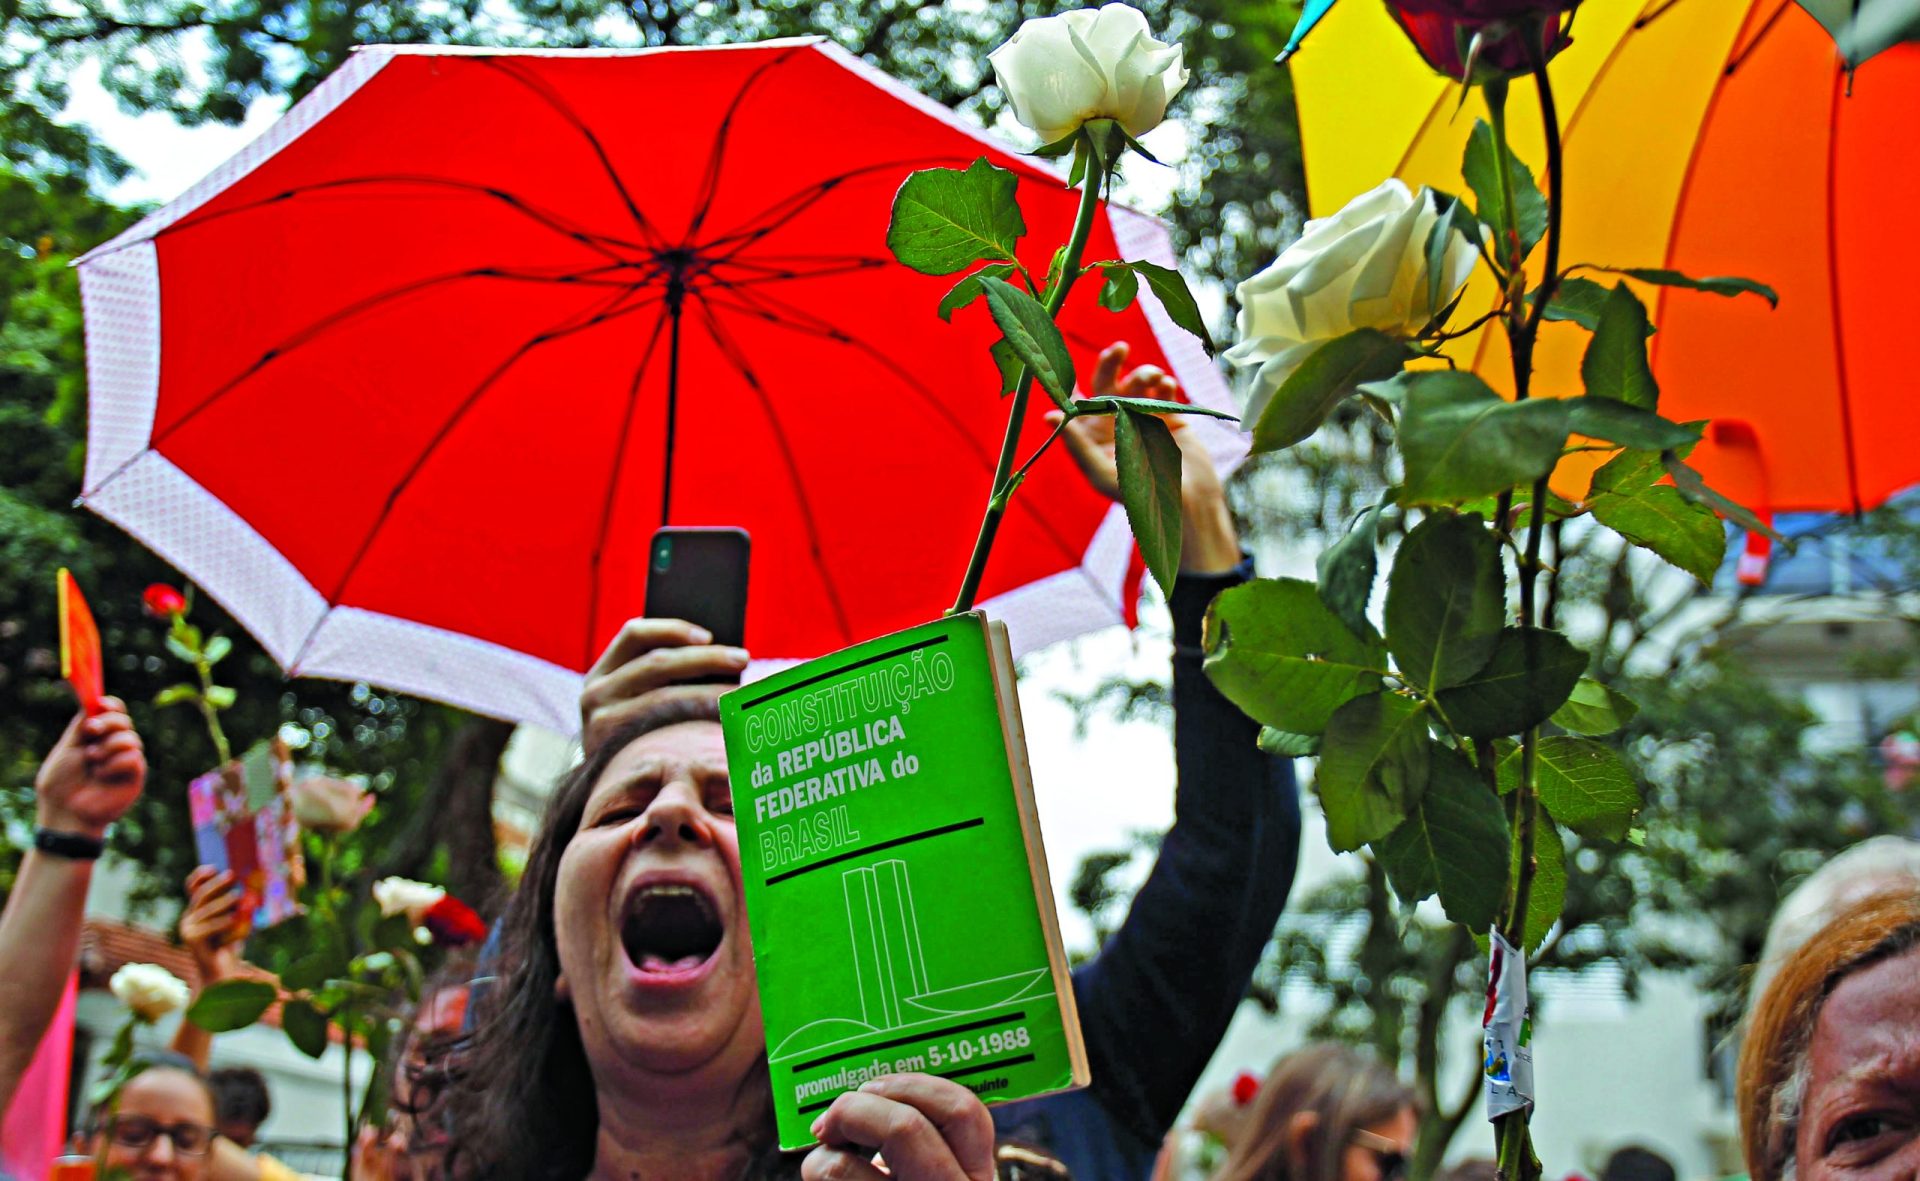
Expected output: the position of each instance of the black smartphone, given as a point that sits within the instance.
(700, 575)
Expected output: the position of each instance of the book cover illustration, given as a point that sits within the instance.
(243, 822)
(896, 889)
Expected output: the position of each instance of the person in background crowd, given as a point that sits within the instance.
(90, 778)
(413, 1145)
(1218, 1119)
(240, 1102)
(1828, 1086)
(158, 1127)
(1870, 867)
(1180, 964)
(1634, 1163)
(1327, 1112)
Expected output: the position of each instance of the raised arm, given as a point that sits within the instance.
(91, 777)
(206, 927)
(1156, 1001)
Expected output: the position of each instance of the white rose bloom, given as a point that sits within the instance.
(1060, 71)
(149, 990)
(404, 896)
(1364, 267)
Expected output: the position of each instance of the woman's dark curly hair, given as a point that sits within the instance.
(520, 1100)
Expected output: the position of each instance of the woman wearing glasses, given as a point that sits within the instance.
(1326, 1113)
(160, 1129)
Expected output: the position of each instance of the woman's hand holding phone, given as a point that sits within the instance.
(649, 661)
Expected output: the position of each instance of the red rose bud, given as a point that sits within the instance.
(1446, 42)
(1246, 1085)
(163, 602)
(452, 923)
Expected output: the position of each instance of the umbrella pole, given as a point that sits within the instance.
(676, 298)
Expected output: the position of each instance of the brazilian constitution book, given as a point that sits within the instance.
(896, 886)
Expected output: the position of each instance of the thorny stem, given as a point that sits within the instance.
(1003, 473)
(1516, 1156)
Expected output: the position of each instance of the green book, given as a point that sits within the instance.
(896, 886)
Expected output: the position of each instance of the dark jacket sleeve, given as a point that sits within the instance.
(1156, 1001)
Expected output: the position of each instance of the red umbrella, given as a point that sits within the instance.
(408, 384)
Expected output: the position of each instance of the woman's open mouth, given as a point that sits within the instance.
(671, 931)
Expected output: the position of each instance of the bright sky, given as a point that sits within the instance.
(1093, 793)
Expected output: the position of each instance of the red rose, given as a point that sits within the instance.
(1246, 1085)
(452, 923)
(1446, 41)
(163, 602)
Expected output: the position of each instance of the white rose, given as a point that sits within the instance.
(322, 803)
(1364, 267)
(149, 990)
(403, 896)
(1060, 71)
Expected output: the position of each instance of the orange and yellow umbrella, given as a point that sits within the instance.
(1712, 137)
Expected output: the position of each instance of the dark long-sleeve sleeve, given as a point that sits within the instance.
(1156, 1001)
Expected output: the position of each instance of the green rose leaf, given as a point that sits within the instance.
(1625, 497)
(1548, 895)
(1373, 767)
(1454, 842)
(393, 931)
(1615, 365)
(1008, 363)
(175, 694)
(1695, 489)
(1627, 425)
(1714, 284)
(305, 1027)
(314, 969)
(1582, 784)
(1148, 462)
(1323, 381)
(118, 1053)
(945, 220)
(1531, 674)
(1446, 601)
(968, 289)
(1579, 300)
(1528, 217)
(1346, 569)
(1179, 303)
(231, 1005)
(1276, 651)
(1461, 440)
(1119, 288)
(217, 649)
(1287, 744)
(1035, 338)
(1453, 215)
(1594, 708)
(182, 650)
(222, 696)
(1112, 402)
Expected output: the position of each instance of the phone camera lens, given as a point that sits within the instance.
(662, 554)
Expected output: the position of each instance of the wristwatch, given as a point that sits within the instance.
(73, 846)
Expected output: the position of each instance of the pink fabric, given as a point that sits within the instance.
(36, 1124)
